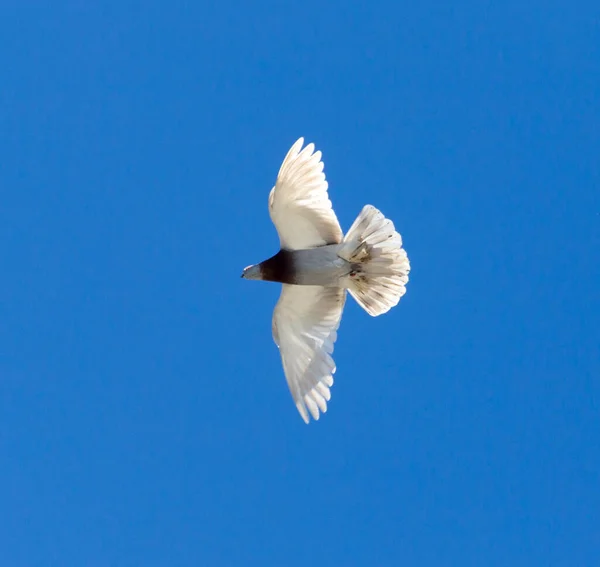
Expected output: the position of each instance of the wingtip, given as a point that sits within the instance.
(312, 407)
(302, 412)
(297, 146)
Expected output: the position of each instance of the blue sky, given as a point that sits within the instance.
(144, 415)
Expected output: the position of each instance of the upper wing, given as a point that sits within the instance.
(305, 323)
(299, 205)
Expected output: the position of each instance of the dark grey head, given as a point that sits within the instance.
(278, 268)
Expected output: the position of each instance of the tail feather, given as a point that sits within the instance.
(380, 265)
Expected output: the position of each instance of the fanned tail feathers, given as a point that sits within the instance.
(380, 265)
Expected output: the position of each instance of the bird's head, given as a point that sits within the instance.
(252, 273)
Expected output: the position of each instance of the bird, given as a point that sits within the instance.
(316, 265)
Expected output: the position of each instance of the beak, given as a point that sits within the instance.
(251, 273)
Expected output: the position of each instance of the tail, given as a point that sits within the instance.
(379, 263)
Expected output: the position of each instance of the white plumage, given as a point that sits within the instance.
(305, 323)
(316, 265)
(299, 204)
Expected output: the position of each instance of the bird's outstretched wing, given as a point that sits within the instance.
(305, 323)
(299, 204)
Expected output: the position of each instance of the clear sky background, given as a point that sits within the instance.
(144, 415)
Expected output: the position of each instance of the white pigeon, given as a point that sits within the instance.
(316, 265)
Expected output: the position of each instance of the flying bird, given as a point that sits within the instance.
(316, 264)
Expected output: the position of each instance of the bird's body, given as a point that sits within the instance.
(316, 265)
(310, 266)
